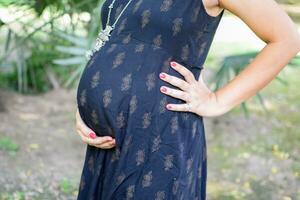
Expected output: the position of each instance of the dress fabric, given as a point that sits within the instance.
(159, 154)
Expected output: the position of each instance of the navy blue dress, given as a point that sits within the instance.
(159, 154)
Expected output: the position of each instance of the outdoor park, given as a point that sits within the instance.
(253, 151)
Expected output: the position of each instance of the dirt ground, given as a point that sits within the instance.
(49, 148)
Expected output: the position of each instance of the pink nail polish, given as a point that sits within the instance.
(162, 75)
(169, 106)
(163, 89)
(92, 135)
(173, 64)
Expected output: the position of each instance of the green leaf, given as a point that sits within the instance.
(71, 50)
(261, 101)
(8, 145)
(245, 109)
(74, 75)
(39, 6)
(295, 62)
(8, 40)
(69, 61)
(284, 82)
(1, 23)
(78, 41)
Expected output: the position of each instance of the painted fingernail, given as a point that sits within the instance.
(169, 106)
(173, 64)
(163, 89)
(162, 75)
(92, 135)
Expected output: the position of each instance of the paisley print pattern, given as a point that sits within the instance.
(157, 42)
(150, 82)
(126, 82)
(147, 179)
(156, 143)
(146, 120)
(118, 59)
(166, 5)
(168, 162)
(140, 47)
(145, 18)
(95, 80)
(140, 157)
(159, 154)
(121, 27)
(177, 24)
(107, 95)
(129, 192)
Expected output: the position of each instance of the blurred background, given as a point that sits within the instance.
(253, 151)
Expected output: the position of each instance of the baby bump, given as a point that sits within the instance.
(120, 89)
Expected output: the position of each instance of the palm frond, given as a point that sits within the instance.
(232, 65)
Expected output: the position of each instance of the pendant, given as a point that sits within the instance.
(102, 38)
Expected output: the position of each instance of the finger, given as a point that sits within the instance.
(187, 74)
(101, 140)
(83, 137)
(203, 84)
(201, 79)
(106, 145)
(179, 107)
(80, 125)
(176, 93)
(178, 82)
(87, 131)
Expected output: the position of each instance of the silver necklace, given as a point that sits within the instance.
(104, 35)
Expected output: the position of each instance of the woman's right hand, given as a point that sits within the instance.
(89, 137)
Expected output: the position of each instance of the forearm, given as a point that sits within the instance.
(261, 71)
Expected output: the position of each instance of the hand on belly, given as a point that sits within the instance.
(89, 137)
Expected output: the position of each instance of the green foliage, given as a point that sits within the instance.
(40, 6)
(67, 186)
(289, 1)
(14, 196)
(8, 145)
(27, 62)
(74, 50)
(232, 65)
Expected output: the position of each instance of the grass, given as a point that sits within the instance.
(68, 186)
(8, 145)
(14, 196)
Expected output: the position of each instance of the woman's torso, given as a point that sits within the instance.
(120, 84)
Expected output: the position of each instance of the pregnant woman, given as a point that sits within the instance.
(141, 97)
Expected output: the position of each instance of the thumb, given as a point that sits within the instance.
(201, 77)
(84, 129)
(202, 83)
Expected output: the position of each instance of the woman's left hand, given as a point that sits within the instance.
(198, 97)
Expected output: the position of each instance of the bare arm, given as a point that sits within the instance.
(271, 24)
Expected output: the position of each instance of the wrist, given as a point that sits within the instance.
(220, 104)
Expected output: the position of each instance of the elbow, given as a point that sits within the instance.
(292, 45)
(295, 43)
(291, 41)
